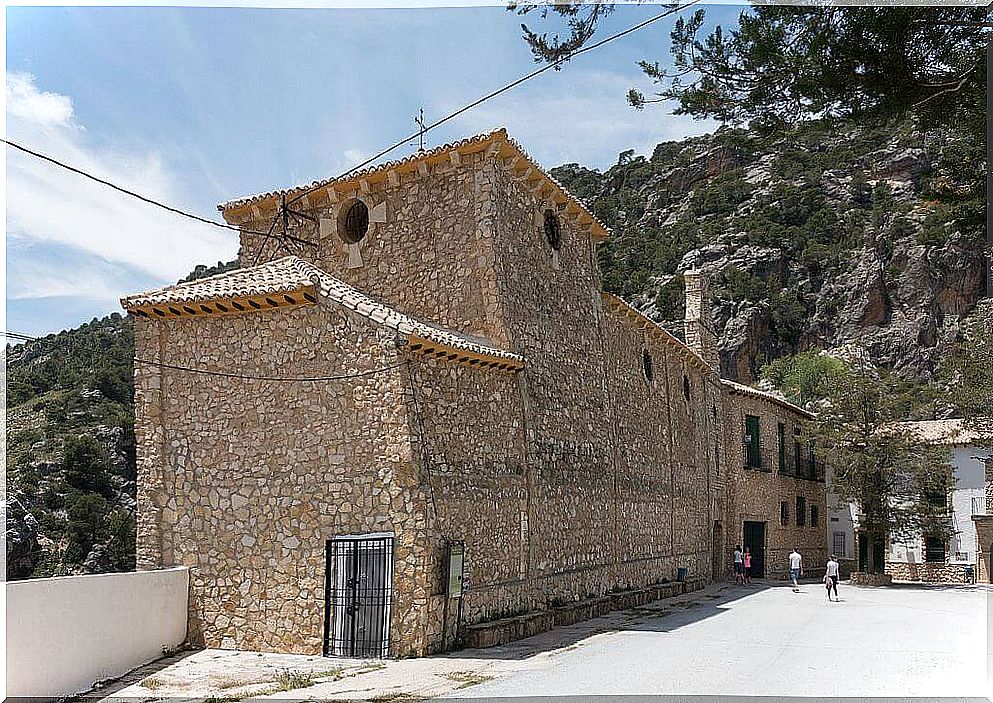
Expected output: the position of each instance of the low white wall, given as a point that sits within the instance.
(64, 634)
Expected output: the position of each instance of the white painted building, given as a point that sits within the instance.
(920, 559)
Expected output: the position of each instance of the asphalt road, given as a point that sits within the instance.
(767, 640)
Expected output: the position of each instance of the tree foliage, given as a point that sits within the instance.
(784, 64)
(806, 378)
(899, 484)
(969, 374)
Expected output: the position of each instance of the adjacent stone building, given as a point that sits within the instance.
(776, 488)
(420, 366)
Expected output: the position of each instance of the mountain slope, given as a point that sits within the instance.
(71, 449)
(833, 235)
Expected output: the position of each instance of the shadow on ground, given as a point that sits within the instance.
(658, 616)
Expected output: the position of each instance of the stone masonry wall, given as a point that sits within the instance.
(244, 481)
(755, 495)
(927, 572)
(432, 256)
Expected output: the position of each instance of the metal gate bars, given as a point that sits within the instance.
(358, 594)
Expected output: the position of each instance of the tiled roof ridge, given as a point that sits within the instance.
(950, 431)
(297, 273)
(759, 393)
(496, 134)
(658, 329)
(209, 283)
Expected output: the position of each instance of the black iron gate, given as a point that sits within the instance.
(358, 593)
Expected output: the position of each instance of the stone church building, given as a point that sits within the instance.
(423, 389)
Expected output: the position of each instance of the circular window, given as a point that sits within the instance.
(356, 222)
(646, 362)
(553, 230)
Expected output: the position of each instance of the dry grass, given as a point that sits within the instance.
(467, 678)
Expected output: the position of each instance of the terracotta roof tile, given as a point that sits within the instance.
(292, 273)
(492, 136)
(742, 389)
(941, 432)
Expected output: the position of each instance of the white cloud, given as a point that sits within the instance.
(41, 279)
(47, 205)
(25, 102)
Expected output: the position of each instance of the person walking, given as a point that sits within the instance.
(796, 569)
(833, 572)
(738, 564)
(748, 564)
(827, 585)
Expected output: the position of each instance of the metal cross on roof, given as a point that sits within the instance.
(419, 121)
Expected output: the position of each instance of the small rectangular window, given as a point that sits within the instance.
(934, 550)
(801, 511)
(753, 443)
(784, 513)
(814, 515)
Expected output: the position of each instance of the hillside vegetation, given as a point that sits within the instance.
(828, 236)
(71, 449)
(831, 236)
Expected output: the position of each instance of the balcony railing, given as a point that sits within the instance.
(979, 505)
(806, 470)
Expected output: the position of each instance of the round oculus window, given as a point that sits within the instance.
(356, 223)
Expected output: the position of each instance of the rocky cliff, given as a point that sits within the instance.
(830, 236)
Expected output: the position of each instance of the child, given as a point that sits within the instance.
(748, 564)
(828, 584)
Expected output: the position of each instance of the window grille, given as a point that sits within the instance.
(814, 515)
(838, 543)
(782, 448)
(784, 513)
(801, 511)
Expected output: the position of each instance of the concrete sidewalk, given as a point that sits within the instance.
(723, 639)
(225, 676)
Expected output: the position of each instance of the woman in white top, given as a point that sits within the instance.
(833, 573)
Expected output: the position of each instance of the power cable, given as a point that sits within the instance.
(121, 189)
(424, 130)
(499, 91)
(250, 377)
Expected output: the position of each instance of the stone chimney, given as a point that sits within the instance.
(698, 325)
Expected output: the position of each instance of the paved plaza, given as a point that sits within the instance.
(900, 641)
(760, 640)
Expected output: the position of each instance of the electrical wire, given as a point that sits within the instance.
(133, 194)
(499, 91)
(384, 152)
(250, 377)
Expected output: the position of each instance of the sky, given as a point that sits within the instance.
(196, 106)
